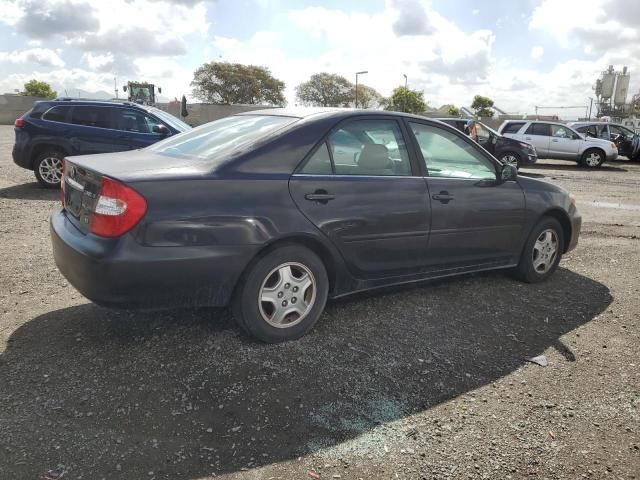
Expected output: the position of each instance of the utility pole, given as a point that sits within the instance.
(590, 106)
(115, 86)
(358, 73)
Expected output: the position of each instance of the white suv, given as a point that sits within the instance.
(555, 140)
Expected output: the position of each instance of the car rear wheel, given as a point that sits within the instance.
(542, 251)
(592, 158)
(511, 158)
(282, 295)
(48, 168)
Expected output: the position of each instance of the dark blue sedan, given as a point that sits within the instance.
(261, 211)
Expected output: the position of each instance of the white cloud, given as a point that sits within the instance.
(537, 52)
(41, 56)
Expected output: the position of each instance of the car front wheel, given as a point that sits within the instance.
(592, 158)
(282, 295)
(542, 251)
(511, 158)
(48, 168)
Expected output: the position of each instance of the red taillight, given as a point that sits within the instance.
(64, 172)
(19, 123)
(118, 209)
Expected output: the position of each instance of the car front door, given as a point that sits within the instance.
(476, 220)
(539, 135)
(564, 143)
(135, 129)
(376, 211)
(624, 140)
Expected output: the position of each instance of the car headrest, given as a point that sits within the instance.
(374, 157)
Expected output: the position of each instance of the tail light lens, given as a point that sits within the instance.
(19, 123)
(118, 209)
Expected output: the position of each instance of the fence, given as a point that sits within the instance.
(14, 106)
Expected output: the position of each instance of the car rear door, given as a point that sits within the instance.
(92, 130)
(538, 135)
(476, 220)
(376, 211)
(564, 143)
(135, 128)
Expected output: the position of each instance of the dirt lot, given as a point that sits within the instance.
(422, 382)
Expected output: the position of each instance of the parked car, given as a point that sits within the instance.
(505, 149)
(256, 210)
(627, 141)
(556, 140)
(55, 128)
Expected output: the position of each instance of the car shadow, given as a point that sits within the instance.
(607, 167)
(183, 394)
(29, 191)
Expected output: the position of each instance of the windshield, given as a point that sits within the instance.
(220, 137)
(170, 119)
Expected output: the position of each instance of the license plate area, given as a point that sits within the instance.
(80, 193)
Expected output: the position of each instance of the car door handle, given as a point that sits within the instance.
(527, 138)
(321, 196)
(442, 197)
(554, 140)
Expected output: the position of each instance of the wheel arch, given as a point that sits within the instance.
(41, 147)
(563, 218)
(327, 256)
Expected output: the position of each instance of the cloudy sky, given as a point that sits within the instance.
(521, 53)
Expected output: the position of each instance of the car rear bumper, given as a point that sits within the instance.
(122, 273)
(22, 156)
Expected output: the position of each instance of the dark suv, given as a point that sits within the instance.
(505, 149)
(63, 127)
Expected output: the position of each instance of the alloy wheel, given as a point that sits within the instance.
(510, 159)
(593, 159)
(545, 251)
(50, 169)
(287, 295)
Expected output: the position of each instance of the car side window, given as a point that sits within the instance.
(369, 147)
(57, 114)
(446, 154)
(625, 133)
(513, 127)
(91, 116)
(319, 163)
(589, 129)
(133, 121)
(542, 129)
(560, 132)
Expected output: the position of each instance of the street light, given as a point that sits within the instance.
(404, 97)
(358, 73)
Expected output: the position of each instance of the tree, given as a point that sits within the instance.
(34, 88)
(232, 83)
(406, 100)
(453, 111)
(367, 97)
(482, 106)
(326, 90)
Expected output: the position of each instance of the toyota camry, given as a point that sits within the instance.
(274, 212)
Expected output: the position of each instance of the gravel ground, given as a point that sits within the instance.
(423, 382)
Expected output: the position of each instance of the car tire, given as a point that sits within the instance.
(542, 251)
(512, 158)
(592, 158)
(282, 294)
(48, 168)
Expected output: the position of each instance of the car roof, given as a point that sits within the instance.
(328, 112)
(89, 101)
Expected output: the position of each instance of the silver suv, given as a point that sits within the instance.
(558, 141)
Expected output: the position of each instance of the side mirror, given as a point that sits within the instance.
(508, 172)
(161, 129)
